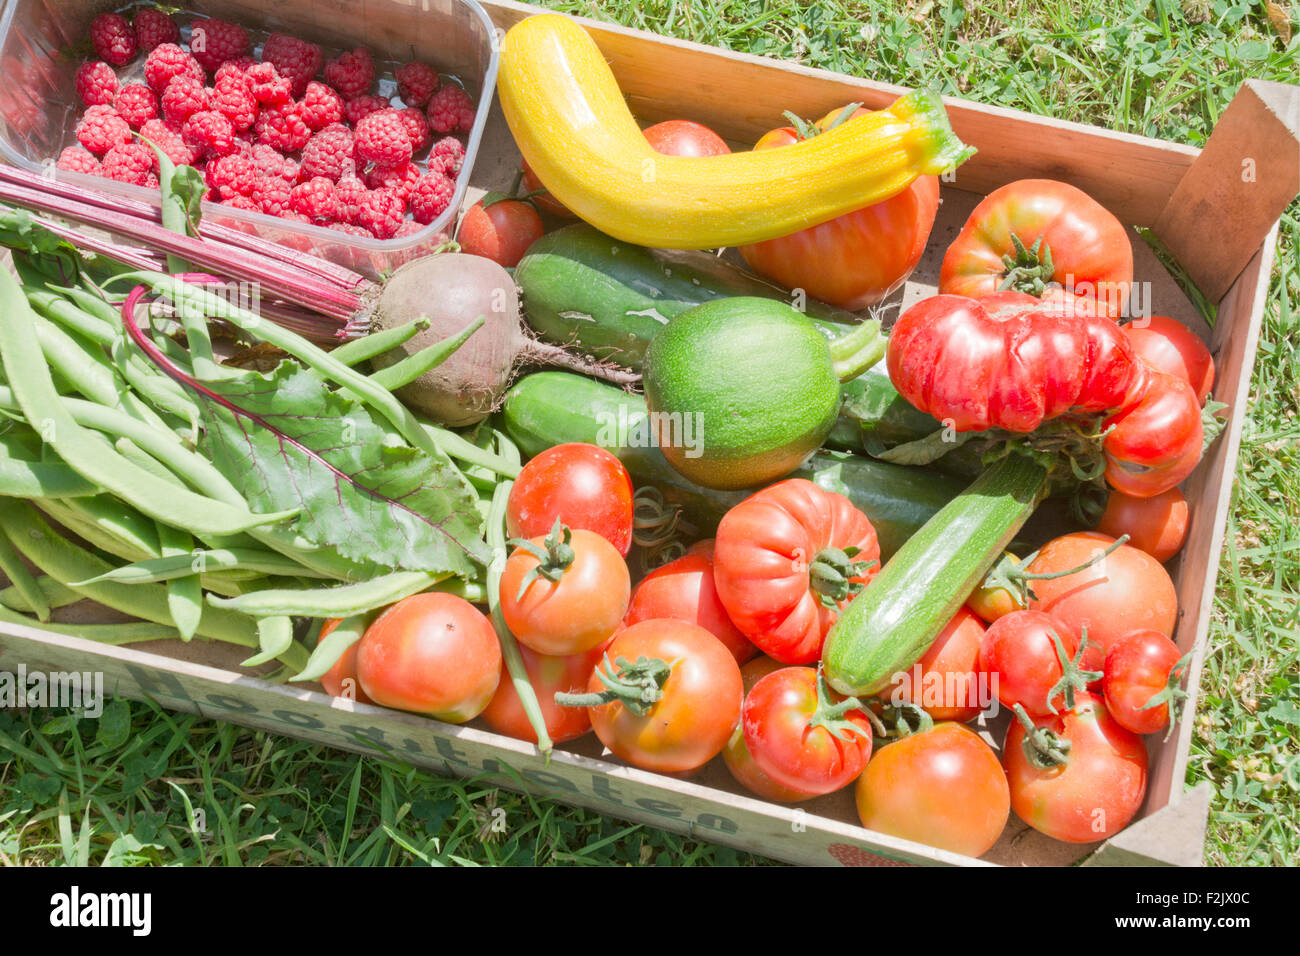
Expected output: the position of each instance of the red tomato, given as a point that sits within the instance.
(684, 591)
(990, 600)
(768, 555)
(431, 653)
(737, 756)
(544, 200)
(857, 259)
(1156, 525)
(549, 676)
(700, 704)
(1096, 792)
(501, 231)
(942, 787)
(1019, 651)
(1005, 361)
(1138, 668)
(578, 610)
(1168, 345)
(945, 681)
(584, 486)
(785, 744)
(684, 138)
(341, 679)
(1091, 256)
(1126, 591)
(1154, 442)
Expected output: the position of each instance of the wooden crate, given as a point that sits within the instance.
(1175, 188)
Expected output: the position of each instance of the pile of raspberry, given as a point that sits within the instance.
(293, 135)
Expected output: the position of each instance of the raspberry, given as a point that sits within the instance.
(381, 213)
(241, 202)
(167, 137)
(358, 109)
(96, 83)
(271, 193)
(351, 73)
(431, 197)
(321, 106)
(349, 229)
(451, 110)
(329, 154)
(400, 178)
(74, 159)
(417, 127)
(232, 68)
(184, 97)
(381, 138)
(232, 98)
(136, 104)
(101, 129)
(270, 162)
(113, 38)
(168, 61)
(351, 192)
(281, 127)
(231, 175)
(210, 133)
(295, 59)
(416, 83)
(213, 42)
(315, 199)
(130, 163)
(267, 85)
(153, 27)
(451, 152)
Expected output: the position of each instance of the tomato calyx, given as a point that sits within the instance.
(855, 352)
(832, 716)
(1012, 575)
(1173, 693)
(1030, 270)
(1073, 676)
(831, 574)
(554, 556)
(893, 720)
(1043, 748)
(639, 686)
(806, 129)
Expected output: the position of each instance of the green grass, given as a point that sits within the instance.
(121, 789)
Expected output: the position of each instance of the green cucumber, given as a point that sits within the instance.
(608, 298)
(550, 408)
(890, 625)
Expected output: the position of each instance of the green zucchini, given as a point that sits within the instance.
(550, 408)
(890, 625)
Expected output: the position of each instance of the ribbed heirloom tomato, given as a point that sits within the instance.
(695, 687)
(1066, 237)
(431, 653)
(1168, 345)
(786, 559)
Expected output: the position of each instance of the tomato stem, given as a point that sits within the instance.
(554, 556)
(1011, 575)
(831, 715)
(639, 686)
(1173, 693)
(898, 720)
(831, 574)
(1073, 677)
(1043, 748)
(855, 352)
(1030, 270)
